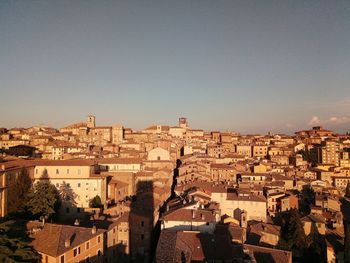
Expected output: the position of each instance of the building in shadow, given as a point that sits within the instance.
(143, 218)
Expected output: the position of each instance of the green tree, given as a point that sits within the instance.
(44, 199)
(15, 244)
(309, 156)
(292, 236)
(96, 202)
(19, 195)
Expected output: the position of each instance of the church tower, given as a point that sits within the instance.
(183, 123)
(90, 123)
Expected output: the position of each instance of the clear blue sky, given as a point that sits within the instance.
(248, 66)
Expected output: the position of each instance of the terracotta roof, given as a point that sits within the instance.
(251, 197)
(16, 164)
(260, 227)
(51, 239)
(268, 255)
(120, 161)
(195, 247)
(72, 162)
(208, 186)
(221, 166)
(189, 215)
(313, 218)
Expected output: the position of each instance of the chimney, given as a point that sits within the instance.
(67, 243)
(93, 230)
(193, 215)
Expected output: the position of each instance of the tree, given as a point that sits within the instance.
(309, 156)
(44, 199)
(19, 195)
(96, 202)
(14, 243)
(67, 194)
(292, 235)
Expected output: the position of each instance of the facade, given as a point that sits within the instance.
(184, 219)
(80, 176)
(329, 152)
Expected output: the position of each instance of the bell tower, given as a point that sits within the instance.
(90, 123)
(183, 123)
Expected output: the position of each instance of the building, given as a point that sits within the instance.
(329, 152)
(68, 244)
(184, 219)
(81, 177)
(9, 172)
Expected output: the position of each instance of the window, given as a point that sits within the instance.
(67, 210)
(207, 223)
(99, 253)
(78, 210)
(67, 171)
(75, 252)
(142, 237)
(57, 171)
(78, 171)
(62, 259)
(142, 223)
(79, 184)
(46, 259)
(36, 171)
(87, 245)
(87, 260)
(98, 239)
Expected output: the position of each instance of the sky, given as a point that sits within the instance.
(246, 66)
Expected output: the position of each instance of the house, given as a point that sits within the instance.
(263, 234)
(314, 220)
(183, 219)
(64, 244)
(158, 154)
(79, 176)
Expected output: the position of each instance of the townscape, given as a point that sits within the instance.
(89, 193)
